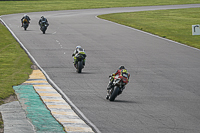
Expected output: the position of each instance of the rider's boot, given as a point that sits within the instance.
(75, 62)
(107, 96)
(83, 63)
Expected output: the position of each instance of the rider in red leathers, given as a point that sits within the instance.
(121, 72)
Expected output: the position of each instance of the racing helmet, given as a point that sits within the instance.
(77, 47)
(25, 15)
(124, 71)
(121, 67)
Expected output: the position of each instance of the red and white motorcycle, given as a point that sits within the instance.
(118, 86)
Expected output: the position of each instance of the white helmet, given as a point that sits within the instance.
(77, 47)
(25, 15)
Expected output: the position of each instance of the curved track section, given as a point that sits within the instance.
(163, 94)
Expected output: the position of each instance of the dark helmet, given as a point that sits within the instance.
(121, 67)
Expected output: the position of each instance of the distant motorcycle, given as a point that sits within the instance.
(25, 24)
(79, 65)
(117, 87)
(43, 27)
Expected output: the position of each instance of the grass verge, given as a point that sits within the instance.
(15, 64)
(9, 7)
(1, 124)
(173, 24)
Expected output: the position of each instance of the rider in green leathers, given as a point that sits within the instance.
(79, 51)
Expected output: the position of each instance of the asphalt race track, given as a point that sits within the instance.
(164, 90)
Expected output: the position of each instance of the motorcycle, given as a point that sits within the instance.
(79, 64)
(25, 24)
(117, 87)
(43, 27)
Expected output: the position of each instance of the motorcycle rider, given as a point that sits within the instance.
(79, 51)
(43, 20)
(121, 72)
(25, 19)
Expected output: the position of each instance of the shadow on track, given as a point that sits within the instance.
(85, 73)
(124, 101)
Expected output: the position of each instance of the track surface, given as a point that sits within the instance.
(163, 94)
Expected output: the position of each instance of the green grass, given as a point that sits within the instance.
(1, 122)
(15, 64)
(172, 24)
(9, 7)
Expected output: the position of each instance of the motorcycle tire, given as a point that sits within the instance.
(114, 94)
(25, 26)
(43, 29)
(80, 66)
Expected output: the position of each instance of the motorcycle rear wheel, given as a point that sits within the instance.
(114, 93)
(43, 29)
(25, 25)
(80, 66)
